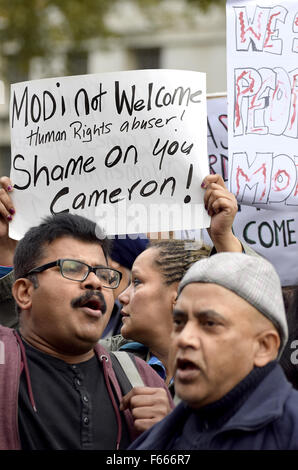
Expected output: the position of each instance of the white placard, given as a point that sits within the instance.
(127, 149)
(262, 64)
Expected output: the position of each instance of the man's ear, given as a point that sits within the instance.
(267, 346)
(22, 291)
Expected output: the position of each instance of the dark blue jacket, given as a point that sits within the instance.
(268, 420)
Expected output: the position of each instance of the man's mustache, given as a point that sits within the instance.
(83, 299)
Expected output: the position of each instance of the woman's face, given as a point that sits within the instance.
(147, 302)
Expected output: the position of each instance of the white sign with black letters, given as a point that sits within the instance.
(127, 149)
(262, 52)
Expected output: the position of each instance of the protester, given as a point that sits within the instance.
(219, 202)
(229, 331)
(8, 313)
(149, 300)
(56, 379)
(147, 303)
(123, 252)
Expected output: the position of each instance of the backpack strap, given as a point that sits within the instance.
(126, 370)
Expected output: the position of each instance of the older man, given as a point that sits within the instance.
(229, 331)
(58, 387)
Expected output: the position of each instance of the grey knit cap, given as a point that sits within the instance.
(251, 277)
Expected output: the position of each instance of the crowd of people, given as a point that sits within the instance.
(132, 343)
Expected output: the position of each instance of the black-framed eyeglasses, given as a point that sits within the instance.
(78, 271)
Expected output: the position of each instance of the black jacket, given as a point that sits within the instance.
(267, 420)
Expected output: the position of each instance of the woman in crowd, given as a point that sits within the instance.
(148, 301)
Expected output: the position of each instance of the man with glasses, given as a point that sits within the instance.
(76, 270)
(54, 375)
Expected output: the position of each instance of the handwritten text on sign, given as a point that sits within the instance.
(272, 234)
(104, 145)
(263, 102)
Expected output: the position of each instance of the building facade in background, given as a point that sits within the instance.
(172, 37)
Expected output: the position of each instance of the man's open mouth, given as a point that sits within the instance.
(93, 304)
(186, 370)
(93, 301)
(185, 364)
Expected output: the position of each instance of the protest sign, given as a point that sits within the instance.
(272, 234)
(128, 150)
(217, 136)
(262, 58)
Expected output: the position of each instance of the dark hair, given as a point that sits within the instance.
(174, 257)
(30, 248)
(290, 296)
(125, 250)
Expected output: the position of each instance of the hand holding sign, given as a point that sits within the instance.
(272, 234)
(7, 245)
(222, 207)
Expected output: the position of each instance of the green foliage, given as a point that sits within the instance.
(205, 4)
(30, 28)
(38, 28)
